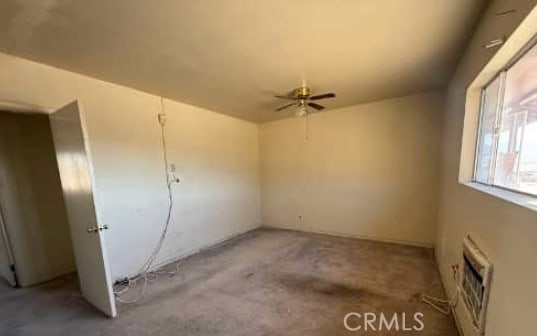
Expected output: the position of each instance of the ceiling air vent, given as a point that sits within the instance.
(475, 283)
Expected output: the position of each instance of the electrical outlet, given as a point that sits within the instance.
(173, 177)
(172, 173)
(162, 119)
(454, 270)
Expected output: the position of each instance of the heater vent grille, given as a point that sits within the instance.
(475, 283)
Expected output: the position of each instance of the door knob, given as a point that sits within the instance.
(95, 229)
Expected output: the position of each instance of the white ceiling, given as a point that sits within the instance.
(233, 56)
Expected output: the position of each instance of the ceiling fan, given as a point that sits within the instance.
(302, 98)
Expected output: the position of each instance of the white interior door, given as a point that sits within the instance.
(76, 173)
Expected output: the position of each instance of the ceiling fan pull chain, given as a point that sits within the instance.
(307, 126)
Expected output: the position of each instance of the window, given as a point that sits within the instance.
(506, 154)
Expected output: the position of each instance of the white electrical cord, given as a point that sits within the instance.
(441, 305)
(146, 277)
(144, 273)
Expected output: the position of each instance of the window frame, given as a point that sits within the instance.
(491, 63)
(501, 75)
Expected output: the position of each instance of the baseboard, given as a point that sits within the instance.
(364, 237)
(189, 253)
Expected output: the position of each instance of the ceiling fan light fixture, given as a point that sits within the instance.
(302, 98)
(301, 110)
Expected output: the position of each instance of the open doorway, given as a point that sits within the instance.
(50, 217)
(35, 243)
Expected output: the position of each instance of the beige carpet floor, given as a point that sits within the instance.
(266, 282)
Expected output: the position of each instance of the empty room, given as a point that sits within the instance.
(176, 167)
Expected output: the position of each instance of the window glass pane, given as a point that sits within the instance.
(516, 159)
(486, 133)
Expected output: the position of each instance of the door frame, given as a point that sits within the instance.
(25, 108)
(9, 248)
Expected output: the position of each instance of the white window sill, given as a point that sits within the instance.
(523, 200)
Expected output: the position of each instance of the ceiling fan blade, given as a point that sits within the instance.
(285, 106)
(323, 96)
(285, 97)
(316, 106)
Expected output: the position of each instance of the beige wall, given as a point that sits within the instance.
(365, 171)
(32, 200)
(216, 157)
(506, 232)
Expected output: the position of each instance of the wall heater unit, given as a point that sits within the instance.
(475, 283)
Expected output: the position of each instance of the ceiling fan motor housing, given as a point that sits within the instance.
(302, 97)
(302, 93)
